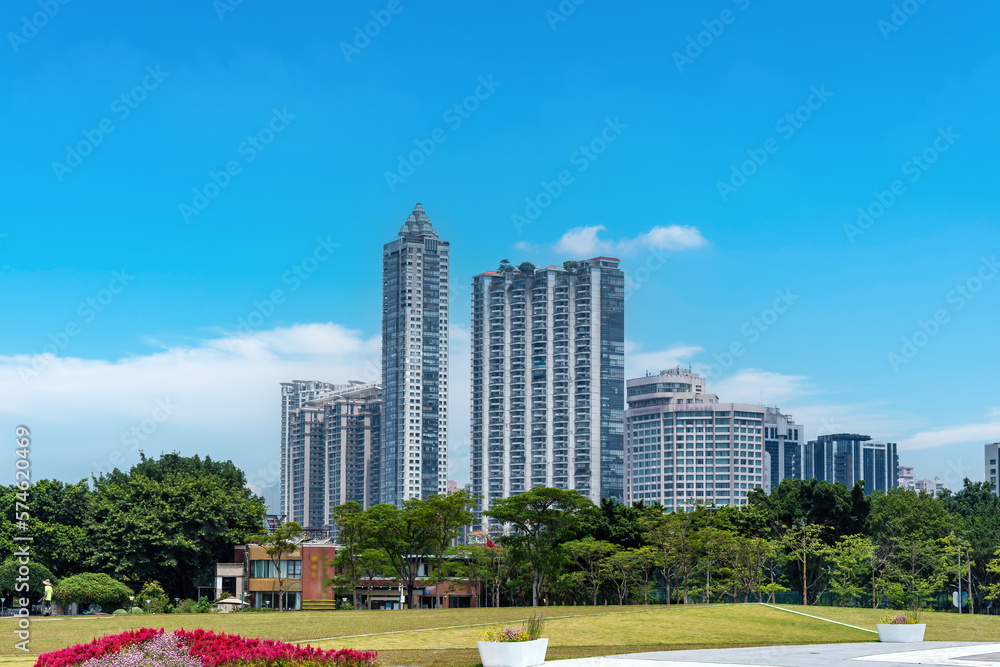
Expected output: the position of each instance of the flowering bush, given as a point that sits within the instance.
(506, 635)
(220, 649)
(530, 631)
(896, 619)
(198, 648)
(75, 655)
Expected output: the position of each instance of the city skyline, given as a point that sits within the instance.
(804, 212)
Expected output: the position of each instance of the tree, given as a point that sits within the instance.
(92, 588)
(674, 535)
(849, 559)
(541, 518)
(157, 597)
(353, 528)
(170, 520)
(803, 542)
(589, 555)
(372, 564)
(621, 567)
(9, 575)
(278, 544)
(505, 267)
(60, 513)
(570, 265)
(444, 517)
(526, 269)
(403, 537)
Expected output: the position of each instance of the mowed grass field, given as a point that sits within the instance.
(447, 638)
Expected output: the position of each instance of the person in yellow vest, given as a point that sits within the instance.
(47, 599)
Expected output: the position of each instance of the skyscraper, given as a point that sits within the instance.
(548, 371)
(848, 458)
(333, 443)
(783, 442)
(294, 395)
(683, 446)
(992, 453)
(414, 447)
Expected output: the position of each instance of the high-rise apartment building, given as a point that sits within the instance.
(848, 458)
(992, 455)
(683, 446)
(414, 447)
(334, 443)
(294, 395)
(783, 442)
(548, 375)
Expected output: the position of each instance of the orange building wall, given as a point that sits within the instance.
(316, 569)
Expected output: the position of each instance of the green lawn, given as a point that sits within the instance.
(447, 638)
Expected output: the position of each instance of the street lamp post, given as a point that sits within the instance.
(402, 600)
(147, 607)
(2, 600)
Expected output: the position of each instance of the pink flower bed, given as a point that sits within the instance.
(210, 649)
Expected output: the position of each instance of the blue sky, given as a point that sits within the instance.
(721, 149)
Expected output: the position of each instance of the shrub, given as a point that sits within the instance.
(37, 573)
(92, 588)
(896, 619)
(185, 607)
(153, 592)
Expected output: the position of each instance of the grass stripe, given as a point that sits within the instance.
(817, 617)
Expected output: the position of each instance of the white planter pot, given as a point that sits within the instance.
(513, 654)
(910, 632)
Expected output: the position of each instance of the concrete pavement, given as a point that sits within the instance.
(869, 654)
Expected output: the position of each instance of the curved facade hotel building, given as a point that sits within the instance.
(682, 445)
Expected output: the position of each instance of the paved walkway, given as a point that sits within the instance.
(871, 654)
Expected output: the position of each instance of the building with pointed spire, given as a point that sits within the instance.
(414, 433)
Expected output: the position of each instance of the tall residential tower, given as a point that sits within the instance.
(414, 447)
(548, 379)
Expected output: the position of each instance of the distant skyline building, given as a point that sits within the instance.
(992, 455)
(848, 458)
(548, 380)
(683, 446)
(414, 450)
(334, 444)
(784, 441)
(933, 487)
(294, 395)
(905, 477)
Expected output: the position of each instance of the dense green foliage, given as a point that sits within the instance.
(166, 520)
(810, 538)
(9, 575)
(92, 588)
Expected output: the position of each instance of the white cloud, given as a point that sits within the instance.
(586, 242)
(224, 395)
(638, 363)
(976, 433)
(524, 246)
(582, 242)
(759, 387)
